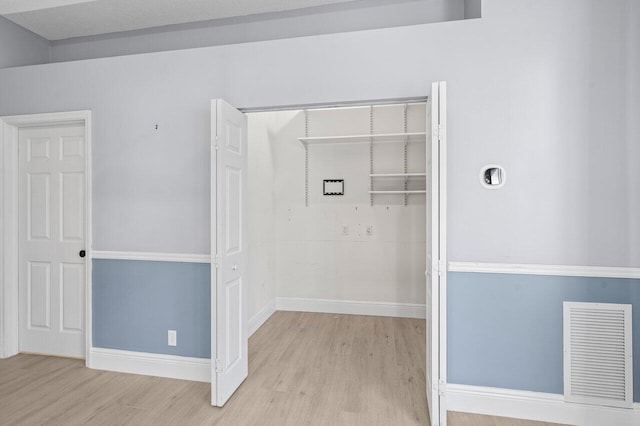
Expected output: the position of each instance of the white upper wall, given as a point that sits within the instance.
(19, 47)
(548, 89)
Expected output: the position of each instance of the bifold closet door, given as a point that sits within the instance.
(436, 258)
(229, 271)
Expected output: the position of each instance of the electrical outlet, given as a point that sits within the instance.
(172, 338)
(369, 230)
(345, 230)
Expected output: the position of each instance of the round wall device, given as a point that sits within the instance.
(493, 176)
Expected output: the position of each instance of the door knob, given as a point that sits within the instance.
(82, 253)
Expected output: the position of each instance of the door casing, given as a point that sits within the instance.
(9, 239)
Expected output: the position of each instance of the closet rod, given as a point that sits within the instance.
(344, 104)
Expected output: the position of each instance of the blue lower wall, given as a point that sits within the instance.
(136, 302)
(505, 330)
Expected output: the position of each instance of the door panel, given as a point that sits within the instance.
(38, 149)
(38, 209)
(229, 329)
(233, 208)
(72, 147)
(72, 296)
(51, 234)
(234, 322)
(39, 294)
(72, 193)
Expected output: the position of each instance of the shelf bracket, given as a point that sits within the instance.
(371, 155)
(406, 143)
(306, 159)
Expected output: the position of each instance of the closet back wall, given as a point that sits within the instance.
(311, 257)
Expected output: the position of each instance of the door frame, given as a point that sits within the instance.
(9, 238)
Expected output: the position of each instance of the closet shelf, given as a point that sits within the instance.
(397, 175)
(399, 192)
(380, 137)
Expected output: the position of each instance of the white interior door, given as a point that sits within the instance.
(229, 327)
(52, 235)
(436, 258)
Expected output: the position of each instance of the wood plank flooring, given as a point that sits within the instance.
(304, 369)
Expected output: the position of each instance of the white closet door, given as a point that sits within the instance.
(52, 236)
(229, 326)
(436, 258)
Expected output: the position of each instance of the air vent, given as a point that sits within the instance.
(598, 354)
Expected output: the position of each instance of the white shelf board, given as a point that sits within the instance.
(393, 175)
(399, 192)
(381, 137)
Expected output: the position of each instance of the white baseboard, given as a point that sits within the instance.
(261, 317)
(383, 309)
(148, 364)
(545, 407)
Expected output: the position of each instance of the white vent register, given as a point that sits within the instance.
(598, 364)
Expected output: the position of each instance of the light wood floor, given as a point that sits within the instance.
(304, 369)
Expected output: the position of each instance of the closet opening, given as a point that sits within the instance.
(337, 236)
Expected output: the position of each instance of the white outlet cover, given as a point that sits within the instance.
(172, 338)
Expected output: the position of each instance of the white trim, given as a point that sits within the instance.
(533, 269)
(9, 296)
(88, 265)
(213, 251)
(57, 118)
(148, 364)
(155, 257)
(545, 407)
(262, 316)
(351, 307)
(9, 285)
(442, 251)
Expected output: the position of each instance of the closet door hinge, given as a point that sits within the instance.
(442, 387)
(218, 366)
(442, 268)
(216, 261)
(438, 132)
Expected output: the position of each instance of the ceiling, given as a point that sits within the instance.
(62, 19)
